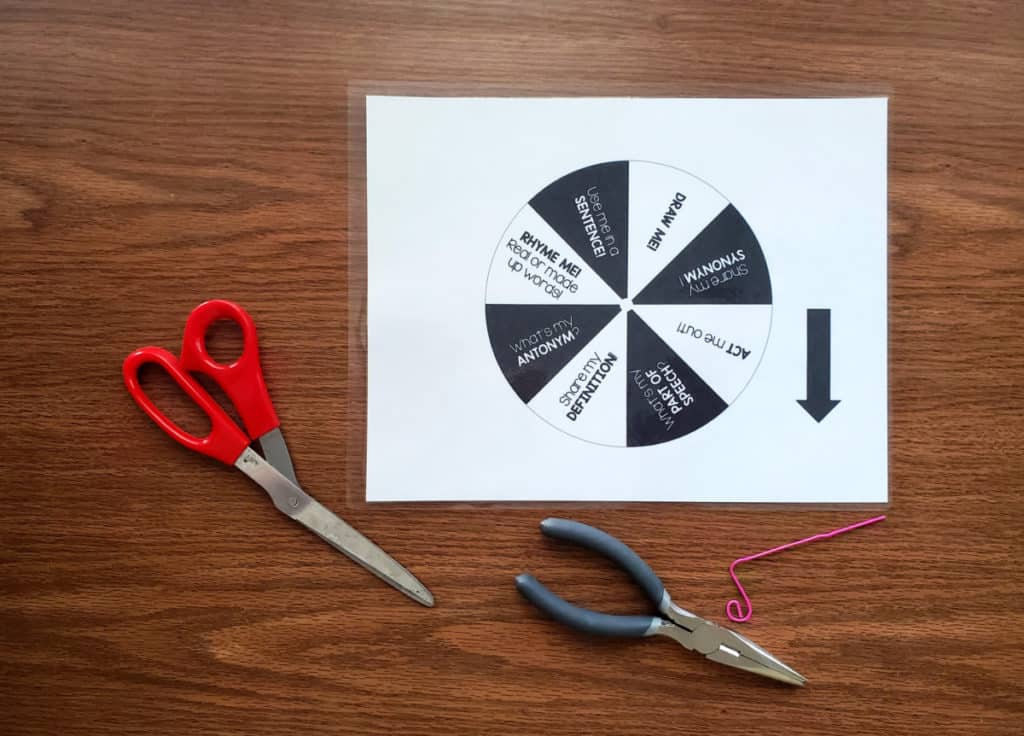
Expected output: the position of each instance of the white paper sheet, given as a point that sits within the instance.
(607, 299)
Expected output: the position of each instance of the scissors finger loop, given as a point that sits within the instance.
(241, 380)
(225, 441)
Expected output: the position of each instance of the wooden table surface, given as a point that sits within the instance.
(156, 154)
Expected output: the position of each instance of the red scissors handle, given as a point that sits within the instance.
(242, 380)
(225, 442)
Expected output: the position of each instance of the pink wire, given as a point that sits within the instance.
(733, 608)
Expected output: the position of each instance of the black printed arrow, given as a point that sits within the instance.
(819, 401)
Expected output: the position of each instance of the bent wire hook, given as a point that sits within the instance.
(734, 609)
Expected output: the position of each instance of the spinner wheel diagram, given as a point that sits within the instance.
(628, 303)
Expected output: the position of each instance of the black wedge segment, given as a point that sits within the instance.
(589, 209)
(533, 342)
(722, 265)
(665, 398)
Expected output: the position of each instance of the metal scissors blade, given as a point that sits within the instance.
(295, 503)
(274, 449)
(340, 535)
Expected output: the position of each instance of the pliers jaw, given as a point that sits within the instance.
(752, 658)
(723, 645)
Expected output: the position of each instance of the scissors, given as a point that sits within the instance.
(243, 383)
(715, 642)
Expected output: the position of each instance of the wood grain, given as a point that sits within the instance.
(156, 154)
